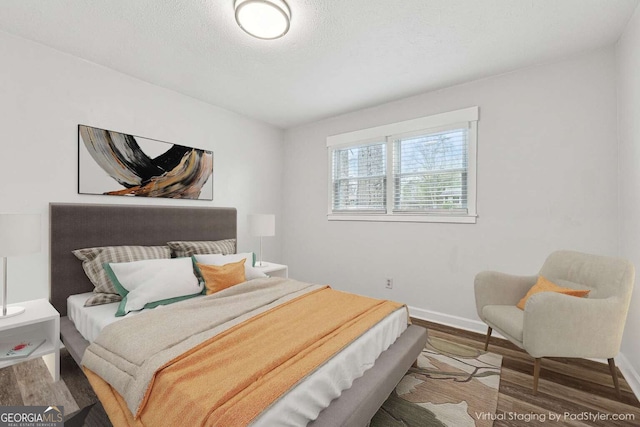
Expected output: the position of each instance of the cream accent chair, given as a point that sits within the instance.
(557, 325)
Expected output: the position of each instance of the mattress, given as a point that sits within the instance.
(89, 321)
(309, 397)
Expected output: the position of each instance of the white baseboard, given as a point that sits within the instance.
(453, 321)
(630, 375)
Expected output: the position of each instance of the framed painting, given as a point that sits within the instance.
(119, 164)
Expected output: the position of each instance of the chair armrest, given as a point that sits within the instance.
(495, 288)
(566, 326)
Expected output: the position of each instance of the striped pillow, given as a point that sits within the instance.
(186, 249)
(93, 260)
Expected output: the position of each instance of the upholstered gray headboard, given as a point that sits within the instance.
(75, 226)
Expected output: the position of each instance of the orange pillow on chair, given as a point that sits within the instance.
(544, 285)
(219, 277)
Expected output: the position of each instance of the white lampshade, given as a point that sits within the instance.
(264, 19)
(262, 225)
(19, 234)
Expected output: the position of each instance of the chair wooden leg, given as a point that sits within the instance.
(536, 375)
(486, 342)
(614, 375)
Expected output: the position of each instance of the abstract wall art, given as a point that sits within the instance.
(119, 164)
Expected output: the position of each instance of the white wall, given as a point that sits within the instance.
(628, 65)
(45, 94)
(547, 179)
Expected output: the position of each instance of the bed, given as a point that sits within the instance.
(74, 226)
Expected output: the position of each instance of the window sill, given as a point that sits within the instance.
(458, 219)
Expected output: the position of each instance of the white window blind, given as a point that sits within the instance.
(359, 178)
(430, 172)
(418, 170)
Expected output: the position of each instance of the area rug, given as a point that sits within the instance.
(454, 385)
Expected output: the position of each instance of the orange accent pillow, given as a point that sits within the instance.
(219, 277)
(544, 285)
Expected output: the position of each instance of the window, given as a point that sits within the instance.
(360, 178)
(417, 170)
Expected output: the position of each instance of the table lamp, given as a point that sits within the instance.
(262, 225)
(19, 235)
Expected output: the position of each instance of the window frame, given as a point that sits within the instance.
(430, 124)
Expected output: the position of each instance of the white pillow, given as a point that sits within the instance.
(218, 259)
(153, 282)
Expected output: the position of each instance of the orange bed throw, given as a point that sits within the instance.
(231, 378)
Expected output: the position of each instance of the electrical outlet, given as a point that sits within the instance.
(389, 284)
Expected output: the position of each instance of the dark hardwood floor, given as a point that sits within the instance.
(29, 383)
(580, 392)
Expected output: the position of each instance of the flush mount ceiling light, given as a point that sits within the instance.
(264, 19)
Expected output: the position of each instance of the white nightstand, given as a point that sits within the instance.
(273, 269)
(40, 319)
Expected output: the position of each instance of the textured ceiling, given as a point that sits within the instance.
(339, 56)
